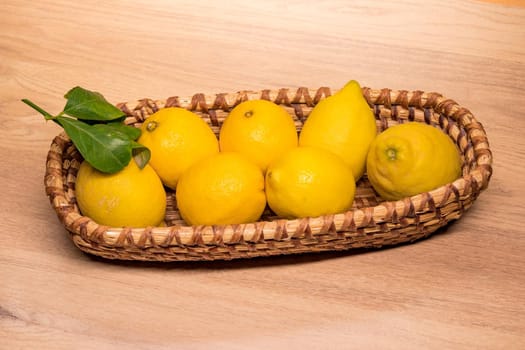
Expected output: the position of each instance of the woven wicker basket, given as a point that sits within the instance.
(371, 223)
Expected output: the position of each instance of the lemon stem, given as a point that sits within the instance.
(248, 114)
(391, 153)
(152, 125)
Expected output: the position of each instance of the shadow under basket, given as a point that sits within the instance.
(371, 223)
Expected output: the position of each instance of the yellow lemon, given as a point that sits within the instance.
(309, 181)
(177, 138)
(222, 189)
(132, 197)
(411, 158)
(259, 129)
(344, 124)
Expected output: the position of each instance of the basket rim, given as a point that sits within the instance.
(476, 179)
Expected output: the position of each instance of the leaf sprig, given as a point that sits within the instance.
(97, 129)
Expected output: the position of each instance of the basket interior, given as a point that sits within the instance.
(406, 106)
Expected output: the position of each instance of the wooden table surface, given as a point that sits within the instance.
(462, 288)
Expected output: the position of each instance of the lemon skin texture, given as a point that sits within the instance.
(177, 138)
(309, 182)
(132, 197)
(222, 189)
(259, 129)
(412, 158)
(344, 124)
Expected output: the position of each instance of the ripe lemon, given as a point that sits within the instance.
(411, 158)
(259, 129)
(309, 181)
(132, 197)
(176, 138)
(222, 189)
(344, 124)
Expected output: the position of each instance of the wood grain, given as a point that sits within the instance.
(463, 288)
(508, 2)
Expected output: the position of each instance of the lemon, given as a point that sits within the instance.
(131, 197)
(309, 181)
(344, 124)
(177, 138)
(259, 129)
(225, 188)
(411, 158)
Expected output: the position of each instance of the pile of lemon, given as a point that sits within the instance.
(259, 159)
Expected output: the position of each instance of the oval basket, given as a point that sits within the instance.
(371, 223)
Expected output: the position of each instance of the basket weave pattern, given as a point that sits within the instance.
(371, 223)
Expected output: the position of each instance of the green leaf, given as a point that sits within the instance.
(91, 122)
(90, 105)
(105, 148)
(132, 132)
(141, 154)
